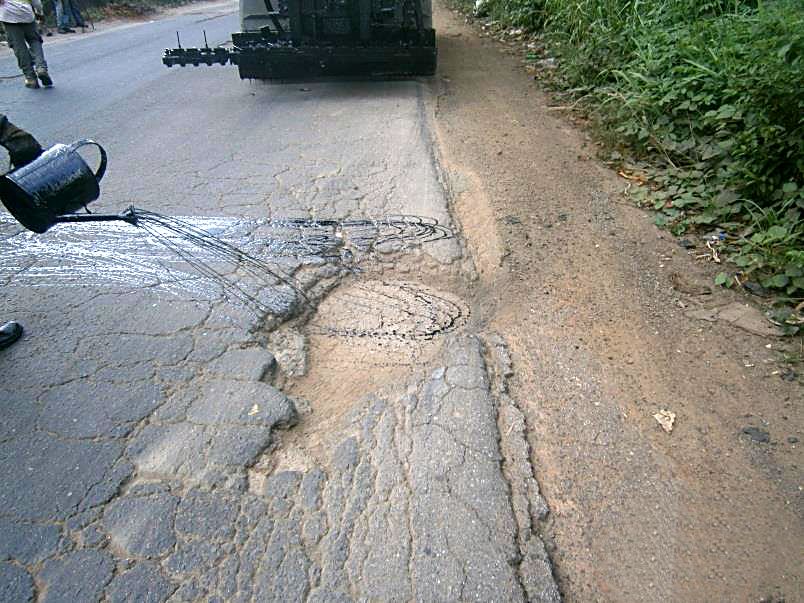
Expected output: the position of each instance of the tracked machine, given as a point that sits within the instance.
(300, 39)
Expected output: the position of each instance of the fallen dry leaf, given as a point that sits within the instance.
(634, 177)
(666, 419)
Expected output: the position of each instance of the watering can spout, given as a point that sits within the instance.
(129, 215)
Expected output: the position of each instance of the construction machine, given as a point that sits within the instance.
(300, 39)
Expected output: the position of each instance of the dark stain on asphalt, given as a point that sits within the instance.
(321, 237)
(391, 310)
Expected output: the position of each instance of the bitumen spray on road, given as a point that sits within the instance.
(57, 184)
(51, 188)
(190, 243)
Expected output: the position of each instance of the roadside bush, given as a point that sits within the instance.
(717, 104)
(528, 14)
(708, 94)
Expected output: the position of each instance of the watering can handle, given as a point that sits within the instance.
(102, 167)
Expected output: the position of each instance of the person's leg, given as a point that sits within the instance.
(76, 14)
(62, 18)
(68, 11)
(15, 34)
(57, 8)
(34, 41)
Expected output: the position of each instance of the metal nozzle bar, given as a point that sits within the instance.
(126, 216)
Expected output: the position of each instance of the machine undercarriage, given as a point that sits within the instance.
(320, 38)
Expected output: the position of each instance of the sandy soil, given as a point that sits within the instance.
(339, 370)
(594, 302)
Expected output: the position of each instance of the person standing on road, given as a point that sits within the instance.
(22, 149)
(67, 14)
(19, 20)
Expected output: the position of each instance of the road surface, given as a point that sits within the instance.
(338, 439)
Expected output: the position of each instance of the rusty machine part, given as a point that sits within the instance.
(302, 39)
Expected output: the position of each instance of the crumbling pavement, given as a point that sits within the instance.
(413, 503)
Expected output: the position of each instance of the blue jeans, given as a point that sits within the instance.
(67, 14)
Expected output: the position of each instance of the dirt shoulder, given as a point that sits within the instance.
(602, 312)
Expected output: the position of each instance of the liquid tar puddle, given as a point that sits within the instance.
(210, 257)
(103, 254)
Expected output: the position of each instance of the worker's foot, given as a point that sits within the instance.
(9, 333)
(44, 77)
(31, 82)
(66, 30)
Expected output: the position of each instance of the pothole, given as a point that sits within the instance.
(388, 311)
(366, 337)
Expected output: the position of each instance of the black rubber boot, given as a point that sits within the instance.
(9, 333)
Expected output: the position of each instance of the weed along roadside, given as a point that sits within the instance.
(698, 105)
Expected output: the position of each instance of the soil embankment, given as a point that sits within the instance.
(595, 304)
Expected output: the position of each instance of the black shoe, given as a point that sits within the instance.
(44, 77)
(9, 333)
(66, 30)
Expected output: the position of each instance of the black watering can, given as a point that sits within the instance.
(54, 185)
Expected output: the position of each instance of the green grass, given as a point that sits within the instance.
(707, 97)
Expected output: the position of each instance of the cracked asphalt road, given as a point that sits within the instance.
(154, 440)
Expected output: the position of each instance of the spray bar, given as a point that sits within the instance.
(128, 215)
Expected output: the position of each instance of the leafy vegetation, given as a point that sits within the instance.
(704, 99)
(98, 10)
